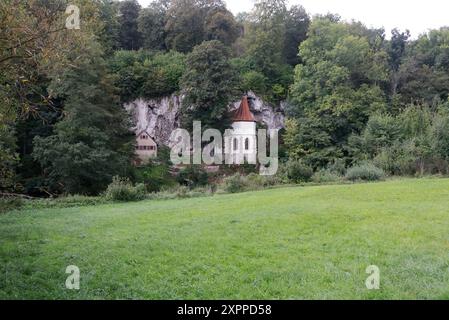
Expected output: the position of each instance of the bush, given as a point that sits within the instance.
(181, 192)
(235, 183)
(296, 171)
(325, 176)
(337, 167)
(399, 159)
(238, 183)
(121, 189)
(10, 203)
(155, 176)
(366, 172)
(255, 181)
(193, 176)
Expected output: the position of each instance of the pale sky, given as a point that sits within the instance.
(417, 16)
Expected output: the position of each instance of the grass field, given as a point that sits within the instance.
(289, 243)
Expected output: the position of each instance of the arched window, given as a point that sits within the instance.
(247, 144)
(236, 144)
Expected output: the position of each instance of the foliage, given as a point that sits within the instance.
(239, 183)
(10, 204)
(325, 176)
(271, 34)
(366, 171)
(182, 192)
(129, 36)
(297, 171)
(190, 22)
(234, 183)
(253, 81)
(193, 176)
(337, 87)
(220, 25)
(156, 174)
(121, 189)
(33, 44)
(423, 75)
(151, 25)
(297, 22)
(8, 159)
(85, 151)
(412, 143)
(143, 75)
(208, 85)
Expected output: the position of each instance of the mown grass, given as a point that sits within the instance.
(287, 243)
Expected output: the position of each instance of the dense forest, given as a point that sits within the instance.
(353, 94)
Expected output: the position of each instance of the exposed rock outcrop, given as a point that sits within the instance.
(159, 117)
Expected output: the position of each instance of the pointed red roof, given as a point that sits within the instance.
(243, 114)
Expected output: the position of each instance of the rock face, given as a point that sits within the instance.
(159, 117)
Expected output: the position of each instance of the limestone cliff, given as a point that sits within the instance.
(159, 117)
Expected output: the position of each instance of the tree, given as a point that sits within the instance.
(296, 26)
(396, 48)
(337, 87)
(184, 25)
(8, 159)
(424, 74)
(34, 43)
(220, 25)
(93, 142)
(208, 85)
(396, 52)
(190, 22)
(130, 37)
(151, 23)
(269, 14)
(263, 43)
(109, 35)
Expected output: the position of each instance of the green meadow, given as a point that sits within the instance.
(287, 243)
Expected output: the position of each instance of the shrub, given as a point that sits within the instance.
(337, 167)
(296, 171)
(155, 176)
(255, 181)
(181, 192)
(325, 176)
(366, 172)
(193, 176)
(10, 203)
(121, 189)
(399, 159)
(235, 183)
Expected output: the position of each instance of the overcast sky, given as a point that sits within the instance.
(417, 16)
